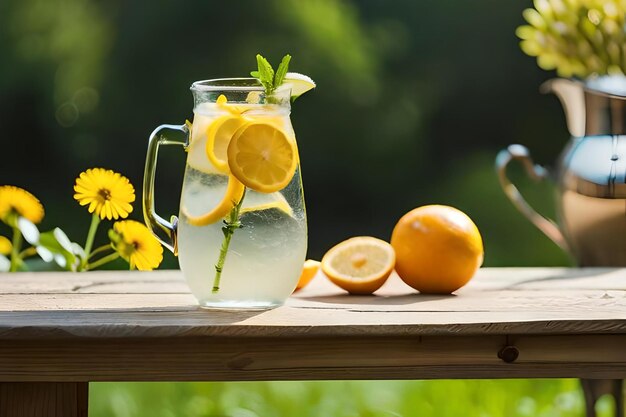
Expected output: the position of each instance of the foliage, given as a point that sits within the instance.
(108, 196)
(414, 100)
(473, 398)
(576, 37)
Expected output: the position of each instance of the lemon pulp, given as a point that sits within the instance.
(262, 157)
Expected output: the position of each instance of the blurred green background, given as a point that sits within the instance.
(413, 101)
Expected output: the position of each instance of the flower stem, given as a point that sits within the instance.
(28, 252)
(228, 229)
(98, 250)
(15, 250)
(106, 259)
(91, 235)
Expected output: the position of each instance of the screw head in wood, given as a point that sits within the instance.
(508, 354)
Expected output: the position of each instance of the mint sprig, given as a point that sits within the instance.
(271, 79)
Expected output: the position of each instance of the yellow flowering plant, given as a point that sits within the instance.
(577, 38)
(107, 195)
(134, 243)
(20, 210)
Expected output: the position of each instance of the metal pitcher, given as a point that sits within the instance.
(590, 174)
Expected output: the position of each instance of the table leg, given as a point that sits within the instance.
(595, 388)
(44, 399)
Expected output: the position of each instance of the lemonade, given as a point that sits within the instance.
(241, 234)
(266, 253)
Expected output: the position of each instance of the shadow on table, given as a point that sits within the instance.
(349, 299)
(128, 322)
(570, 274)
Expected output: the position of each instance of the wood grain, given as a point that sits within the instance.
(43, 399)
(123, 326)
(365, 357)
(157, 304)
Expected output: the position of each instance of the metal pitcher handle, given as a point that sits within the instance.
(165, 231)
(536, 173)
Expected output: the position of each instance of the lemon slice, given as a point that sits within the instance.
(218, 137)
(278, 202)
(359, 265)
(262, 157)
(299, 83)
(234, 192)
(253, 97)
(309, 271)
(222, 103)
(196, 157)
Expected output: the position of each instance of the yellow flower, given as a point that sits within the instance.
(108, 193)
(17, 201)
(137, 245)
(5, 246)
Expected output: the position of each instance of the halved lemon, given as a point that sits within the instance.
(309, 270)
(359, 265)
(262, 157)
(299, 83)
(232, 196)
(218, 136)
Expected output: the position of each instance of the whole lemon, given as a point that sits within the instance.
(438, 249)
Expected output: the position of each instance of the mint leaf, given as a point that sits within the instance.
(266, 73)
(282, 71)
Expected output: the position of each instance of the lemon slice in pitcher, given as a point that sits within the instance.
(232, 196)
(218, 137)
(262, 157)
(260, 202)
(197, 158)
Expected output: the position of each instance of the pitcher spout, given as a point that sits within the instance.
(571, 94)
(595, 107)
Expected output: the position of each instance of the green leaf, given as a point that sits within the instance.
(282, 71)
(5, 264)
(63, 240)
(265, 68)
(28, 230)
(44, 253)
(78, 250)
(266, 73)
(55, 246)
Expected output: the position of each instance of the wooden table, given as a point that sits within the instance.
(59, 331)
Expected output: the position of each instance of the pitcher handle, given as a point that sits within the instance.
(165, 231)
(536, 173)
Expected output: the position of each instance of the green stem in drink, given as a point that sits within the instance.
(91, 235)
(230, 225)
(15, 250)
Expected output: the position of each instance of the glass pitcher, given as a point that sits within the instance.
(241, 234)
